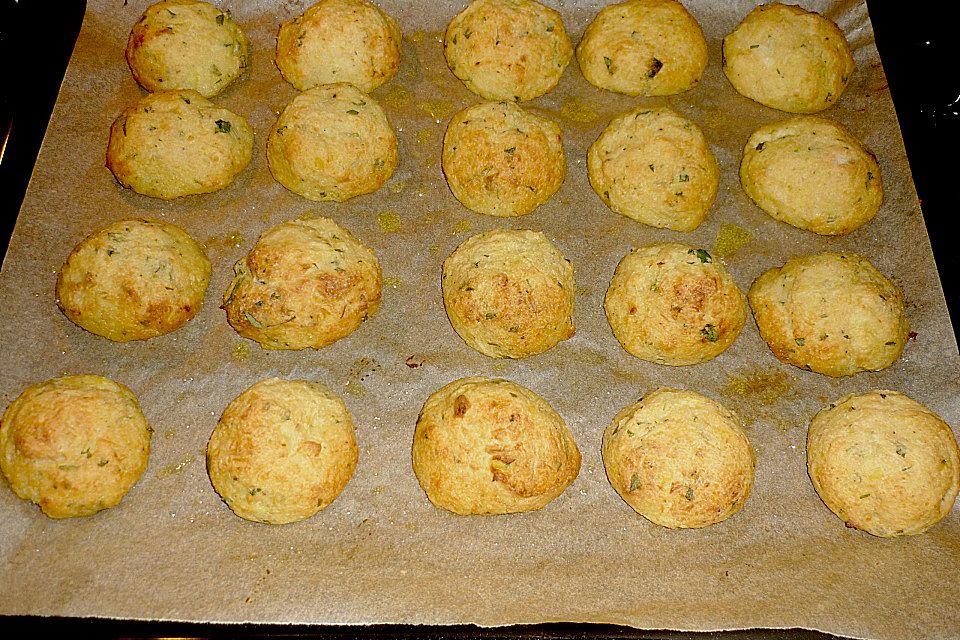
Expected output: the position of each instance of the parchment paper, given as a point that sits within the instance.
(381, 553)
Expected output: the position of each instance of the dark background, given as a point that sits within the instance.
(920, 49)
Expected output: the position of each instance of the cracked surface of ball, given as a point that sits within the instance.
(643, 48)
(507, 49)
(883, 463)
(305, 284)
(74, 445)
(282, 451)
(487, 447)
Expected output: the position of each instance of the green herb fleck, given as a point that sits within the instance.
(607, 61)
(510, 150)
(220, 19)
(103, 463)
(634, 482)
(760, 146)
(255, 491)
(232, 291)
(683, 177)
(489, 315)
(709, 333)
(223, 126)
(866, 495)
(353, 112)
(754, 46)
(702, 255)
(689, 494)
(800, 341)
(256, 323)
(901, 451)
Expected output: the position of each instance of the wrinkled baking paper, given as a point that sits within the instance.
(381, 553)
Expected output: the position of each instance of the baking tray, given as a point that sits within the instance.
(53, 181)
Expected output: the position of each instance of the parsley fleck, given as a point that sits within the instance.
(702, 255)
(709, 333)
(223, 126)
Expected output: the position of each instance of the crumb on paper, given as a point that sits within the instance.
(730, 239)
(390, 221)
